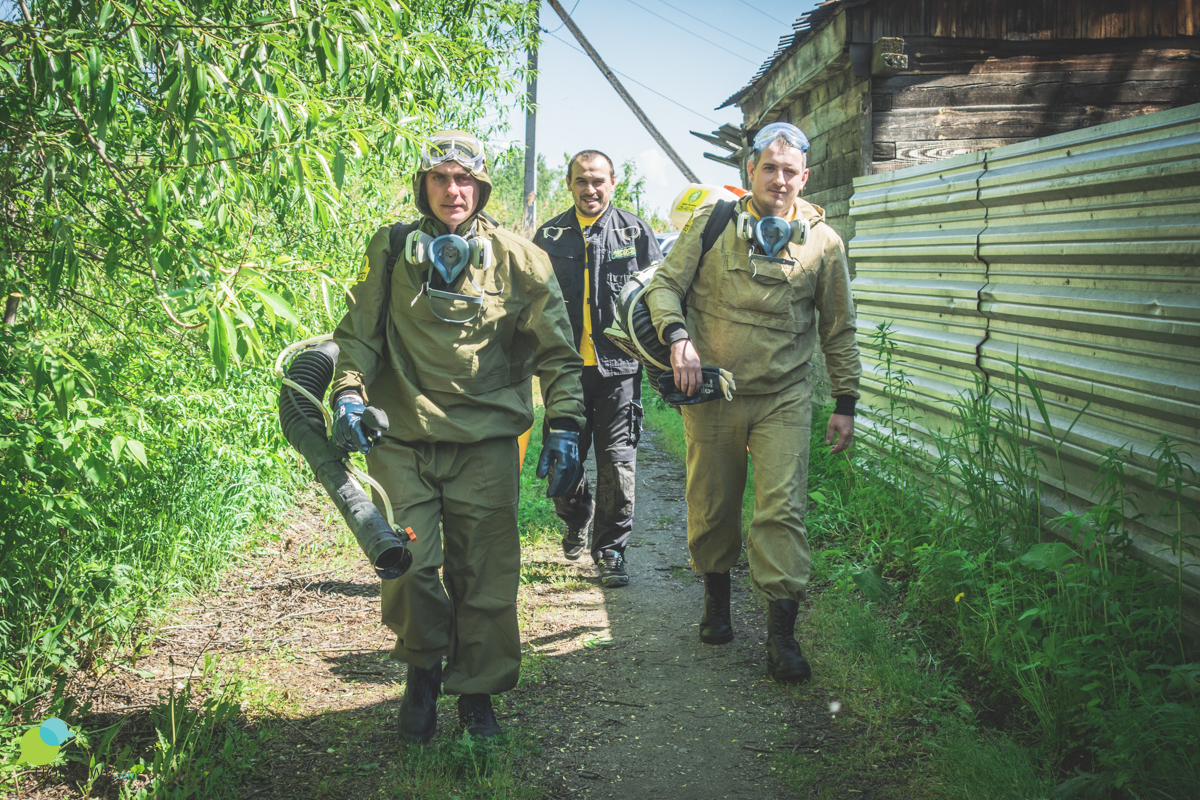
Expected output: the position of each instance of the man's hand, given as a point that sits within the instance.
(840, 432)
(685, 362)
(560, 460)
(349, 433)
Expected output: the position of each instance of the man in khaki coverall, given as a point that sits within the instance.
(755, 317)
(453, 372)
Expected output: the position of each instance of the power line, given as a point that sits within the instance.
(698, 36)
(563, 25)
(714, 27)
(634, 80)
(765, 14)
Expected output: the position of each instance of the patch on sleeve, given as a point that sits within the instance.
(625, 252)
(362, 275)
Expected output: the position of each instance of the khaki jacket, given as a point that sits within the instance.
(442, 382)
(757, 319)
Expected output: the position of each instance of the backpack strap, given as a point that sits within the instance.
(722, 213)
(396, 239)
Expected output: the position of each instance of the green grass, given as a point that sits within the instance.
(899, 687)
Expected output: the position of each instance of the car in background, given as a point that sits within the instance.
(666, 241)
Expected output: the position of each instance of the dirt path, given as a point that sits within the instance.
(647, 710)
(621, 697)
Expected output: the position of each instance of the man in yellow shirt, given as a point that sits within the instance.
(594, 247)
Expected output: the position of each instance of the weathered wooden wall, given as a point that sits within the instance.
(831, 114)
(1023, 19)
(958, 96)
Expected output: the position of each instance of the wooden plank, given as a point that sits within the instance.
(1164, 19)
(923, 152)
(979, 58)
(1188, 23)
(1008, 122)
(1092, 87)
(1141, 19)
(1067, 21)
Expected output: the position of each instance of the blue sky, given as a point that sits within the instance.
(579, 109)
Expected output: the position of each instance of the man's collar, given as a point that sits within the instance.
(601, 220)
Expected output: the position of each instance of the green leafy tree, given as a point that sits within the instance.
(185, 186)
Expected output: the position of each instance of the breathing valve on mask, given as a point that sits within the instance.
(772, 234)
(448, 254)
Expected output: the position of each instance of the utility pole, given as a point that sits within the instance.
(616, 84)
(530, 221)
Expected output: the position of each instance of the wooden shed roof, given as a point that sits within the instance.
(985, 19)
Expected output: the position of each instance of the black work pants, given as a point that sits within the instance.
(614, 424)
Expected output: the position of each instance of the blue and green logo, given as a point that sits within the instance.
(40, 745)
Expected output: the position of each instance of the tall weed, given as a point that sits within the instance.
(1078, 643)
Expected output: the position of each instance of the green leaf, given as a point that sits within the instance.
(871, 583)
(363, 24)
(137, 450)
(105, 14)
(277, 304)
(136, 44)
(1048, 555)
(343, 61)
(339, 167)
(117, 445)
(94, 64)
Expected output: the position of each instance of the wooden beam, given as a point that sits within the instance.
(887, 57)
(719, 142)
(727, 160)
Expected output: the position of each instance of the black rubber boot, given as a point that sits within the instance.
(476, 715)
(716, 626)
(418, 711)
(785, 663)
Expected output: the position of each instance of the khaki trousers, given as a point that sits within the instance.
(469, 614)
(776, 429)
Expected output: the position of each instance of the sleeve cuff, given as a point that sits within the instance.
(564, 424)
(844, 405)
(675, 332)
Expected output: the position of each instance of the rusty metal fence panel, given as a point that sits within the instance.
(1077, 255)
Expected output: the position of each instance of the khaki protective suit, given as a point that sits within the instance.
(457, 397)
(756, 319)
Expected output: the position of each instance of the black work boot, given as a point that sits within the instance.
(476, 715)
(573, 543)
(785, 663)
(418, 711)
(716, 626)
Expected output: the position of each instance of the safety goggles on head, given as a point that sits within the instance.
(790, 133)
(465, 149)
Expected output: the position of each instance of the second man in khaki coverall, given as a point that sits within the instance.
(756, 318)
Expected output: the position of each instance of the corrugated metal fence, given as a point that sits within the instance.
(1076, 254)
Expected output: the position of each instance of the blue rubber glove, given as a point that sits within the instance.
(560, 460)
(349, 435)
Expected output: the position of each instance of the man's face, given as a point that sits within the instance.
(777, 177)
(452, 193)
(591, 184)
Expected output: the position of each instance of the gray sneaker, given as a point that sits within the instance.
(574, 543)
(611, 565)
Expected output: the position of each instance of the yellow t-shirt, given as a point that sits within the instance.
(753, 209)
(586, 348)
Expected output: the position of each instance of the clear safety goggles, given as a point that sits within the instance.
(790, 133)
(466, 150)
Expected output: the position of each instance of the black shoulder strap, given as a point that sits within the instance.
(721, 214)
(396, 239)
